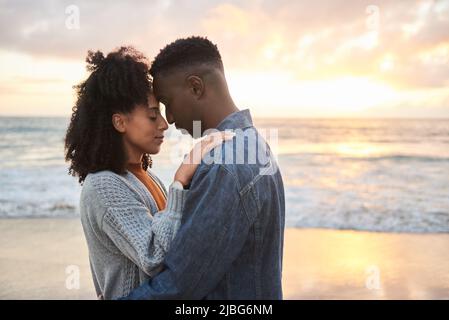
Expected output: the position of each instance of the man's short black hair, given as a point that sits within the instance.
(186, 52)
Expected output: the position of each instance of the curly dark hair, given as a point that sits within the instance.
(117, 83)
(186, 52)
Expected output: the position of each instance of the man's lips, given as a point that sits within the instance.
(159, 138)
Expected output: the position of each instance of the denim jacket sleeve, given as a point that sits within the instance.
(215, 227)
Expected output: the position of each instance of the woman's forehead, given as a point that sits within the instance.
(152, 100)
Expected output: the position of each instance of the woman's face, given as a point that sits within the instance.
(144, 128)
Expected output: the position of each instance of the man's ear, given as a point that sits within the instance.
(195, 85)
(118, 121)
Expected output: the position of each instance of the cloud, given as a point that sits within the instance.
(311, 39)
(407, 47)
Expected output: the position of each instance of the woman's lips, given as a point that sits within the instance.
(159, 139)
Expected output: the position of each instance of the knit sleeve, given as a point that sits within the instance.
(167, 222)
(131, 227)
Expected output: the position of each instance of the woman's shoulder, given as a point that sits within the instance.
(102, 179)
(111, 188)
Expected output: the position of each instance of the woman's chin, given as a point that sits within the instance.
(154, 150)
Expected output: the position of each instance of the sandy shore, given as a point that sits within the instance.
(40, 259)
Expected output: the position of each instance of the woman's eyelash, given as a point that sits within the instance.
(154, 113)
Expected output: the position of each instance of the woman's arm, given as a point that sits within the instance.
(135, 233)
(128, 222)
(167, 222)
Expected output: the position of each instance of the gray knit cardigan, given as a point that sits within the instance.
(127, 238)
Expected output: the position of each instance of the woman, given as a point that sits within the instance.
(127, 217)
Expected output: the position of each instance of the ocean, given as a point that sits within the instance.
(388, 175)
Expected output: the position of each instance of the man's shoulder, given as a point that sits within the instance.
(240, 175)
(246, 158)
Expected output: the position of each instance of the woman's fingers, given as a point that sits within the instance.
(191, 162)
(214, 140)
(203, 147)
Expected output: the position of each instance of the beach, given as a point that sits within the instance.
(41, 258)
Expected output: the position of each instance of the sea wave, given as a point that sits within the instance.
(337, 174)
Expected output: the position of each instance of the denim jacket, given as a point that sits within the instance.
(230, 243)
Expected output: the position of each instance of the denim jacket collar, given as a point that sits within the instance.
(237, 120)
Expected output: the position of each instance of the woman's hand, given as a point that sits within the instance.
(191, 162)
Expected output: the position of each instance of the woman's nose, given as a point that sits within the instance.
(163, 124)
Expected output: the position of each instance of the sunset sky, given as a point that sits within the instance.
(282, 58)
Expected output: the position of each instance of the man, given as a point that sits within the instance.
(230, 242)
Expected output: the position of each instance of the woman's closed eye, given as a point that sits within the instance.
(153, 113)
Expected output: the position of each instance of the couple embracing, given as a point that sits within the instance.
(217, 233)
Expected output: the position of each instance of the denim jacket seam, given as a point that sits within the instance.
(233, 175)
(251, 184)
(245, 190)
(241, 195)
(249, 192)
(257, 256)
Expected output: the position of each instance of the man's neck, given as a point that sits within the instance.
(218, 114)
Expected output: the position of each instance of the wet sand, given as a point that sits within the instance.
(336, 264)
(41, 259)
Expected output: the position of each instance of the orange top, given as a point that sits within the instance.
(152, 186)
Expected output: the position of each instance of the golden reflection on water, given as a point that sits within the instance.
(358, 149)
(346, 149)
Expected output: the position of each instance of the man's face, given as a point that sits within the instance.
(173, 92)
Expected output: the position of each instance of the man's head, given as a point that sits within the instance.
(188, 78)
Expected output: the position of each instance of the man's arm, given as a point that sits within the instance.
(214, 231)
